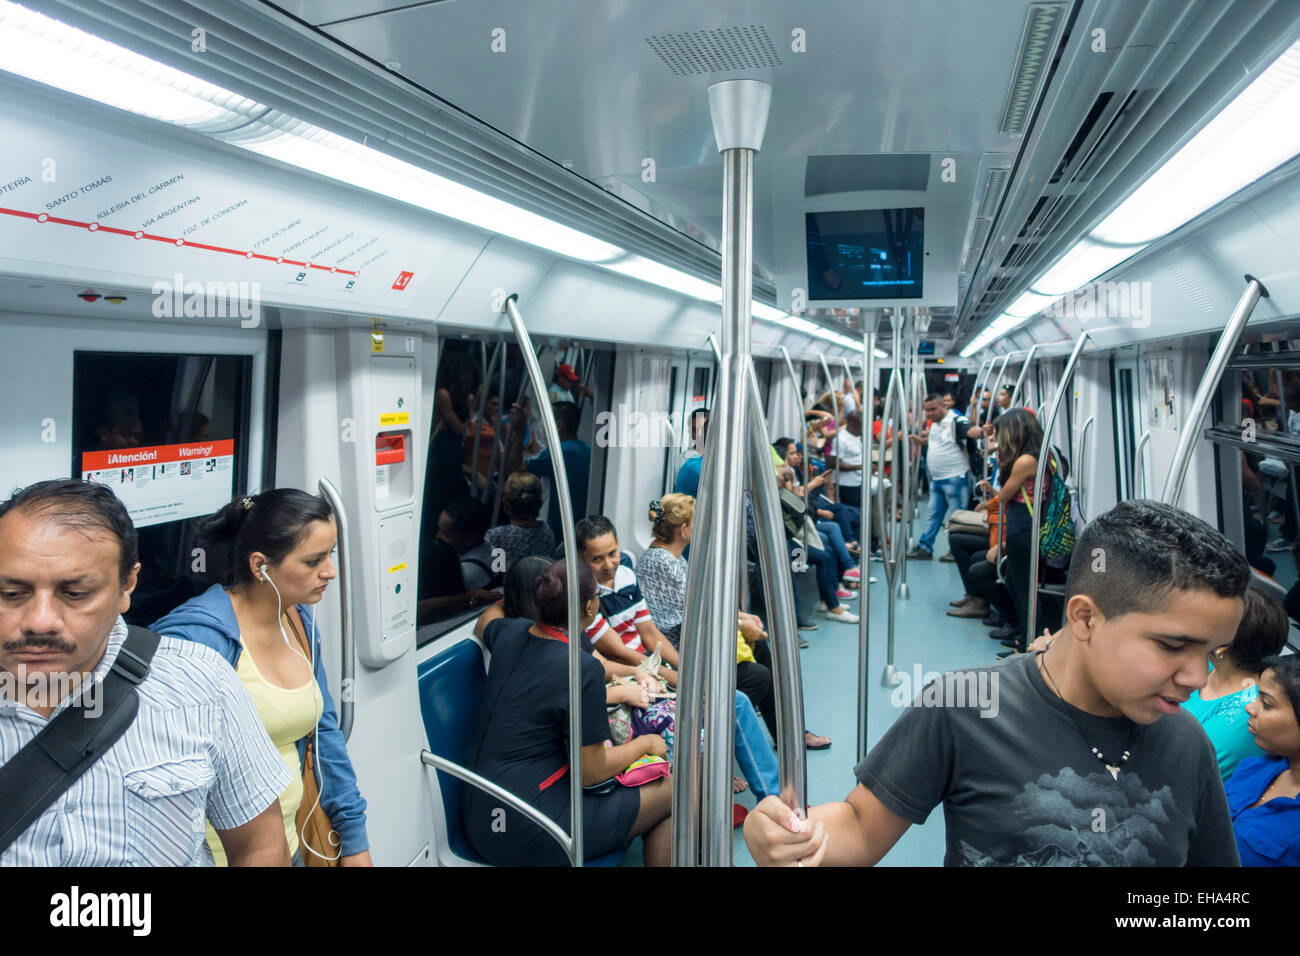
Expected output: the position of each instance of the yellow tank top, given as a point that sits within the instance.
(288, 714)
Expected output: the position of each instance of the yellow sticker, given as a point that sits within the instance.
(395, 418)
(397, 567)
(376, 341)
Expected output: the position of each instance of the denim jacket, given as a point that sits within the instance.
(209, 619)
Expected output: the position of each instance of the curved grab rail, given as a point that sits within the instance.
(1205, 392)
(892, 541)
(1080, 472)
(1139, 465)
(1037, 517)
(1024, 370)
(801, 424)
(835, 404)
(572, 843)
(864, 527)
(348, 667)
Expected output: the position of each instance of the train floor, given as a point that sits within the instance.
(924, 636)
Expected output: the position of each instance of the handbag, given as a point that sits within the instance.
(318, 842)
(973, 522)
(994, 512)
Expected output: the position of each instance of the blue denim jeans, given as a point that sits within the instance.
(834, 538)
(945, 494)
(753, 752)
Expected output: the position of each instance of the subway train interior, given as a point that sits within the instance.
(359, 248)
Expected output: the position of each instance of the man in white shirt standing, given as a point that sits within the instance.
(848, 451)
(946, 461)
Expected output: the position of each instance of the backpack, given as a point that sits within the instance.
(1056, 527)
(960, 426)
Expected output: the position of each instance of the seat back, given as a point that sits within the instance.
(451, 693)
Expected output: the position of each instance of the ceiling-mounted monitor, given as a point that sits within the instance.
(865, 254)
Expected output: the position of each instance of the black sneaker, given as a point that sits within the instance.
(1005, 632)
(803, 644)
(1009, 652)
(919, 554)
(807, 626)
(949, 558)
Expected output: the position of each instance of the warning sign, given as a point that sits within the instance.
(160, 483)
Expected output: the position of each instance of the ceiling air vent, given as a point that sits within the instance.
(1043, 24)
(994, 183)
(715, 51)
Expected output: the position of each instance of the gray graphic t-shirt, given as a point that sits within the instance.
(1020, 787)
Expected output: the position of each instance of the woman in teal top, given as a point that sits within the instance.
(1234, 677)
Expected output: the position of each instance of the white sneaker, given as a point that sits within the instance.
(1279, 545)
(821, 606)
(844, 617)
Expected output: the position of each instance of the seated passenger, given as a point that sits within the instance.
(68, 565)
(522, 743)
(623, 630)
(662, 573)
(524, 535)
(271, 554)
(1264, 793)
(753, 752)
(1020, 754)
(1220, 705)
(454, 559)
(577, 464)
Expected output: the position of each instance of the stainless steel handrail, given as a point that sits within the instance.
(1031, 628)
(553, 830)
(1079, 471)
(1024, 370)
(778, 599)
(993, 400)
(560, 486)
(802, 429)
(807, 458)
(1205, 392)
(348, 642)
(1139, 466)
(864, 527)
(893, 545)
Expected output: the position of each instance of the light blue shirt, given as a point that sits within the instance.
(196, 750)
(1224, 719)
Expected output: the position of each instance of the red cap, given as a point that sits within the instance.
(566, 371)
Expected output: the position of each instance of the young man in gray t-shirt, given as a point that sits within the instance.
(1080, 755)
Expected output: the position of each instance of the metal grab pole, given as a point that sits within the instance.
(891, 551)
(778, 598)
(807, 463)
(802, 429)
(993, 398)
(478, 493)
(1079, 471)
(1209, 386)
(864, 529)
(347, 641)
(560, 485)
(977, 396)
(1036, 518)
(903, 474)
(708, 646)
(1024, 369)
(1139, 467)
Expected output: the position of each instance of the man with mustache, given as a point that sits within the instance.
(195, 750)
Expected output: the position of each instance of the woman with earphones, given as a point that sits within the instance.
(270, 553)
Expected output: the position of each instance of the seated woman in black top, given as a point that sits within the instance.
(523, 743)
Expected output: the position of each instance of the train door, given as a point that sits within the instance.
(1131, 438)
(1095, 446)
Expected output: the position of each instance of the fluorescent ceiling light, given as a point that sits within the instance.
(1029, 304)
(767, 313)
(802, 325)
(1250, 136)
(58, 55)
(661, 275)
(1084, 262)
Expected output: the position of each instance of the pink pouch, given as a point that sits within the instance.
(643, 770)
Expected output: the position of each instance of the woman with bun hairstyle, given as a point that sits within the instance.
(525, 534)
(270, 553)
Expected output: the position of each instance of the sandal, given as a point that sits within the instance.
(738, 785)
(809, 737)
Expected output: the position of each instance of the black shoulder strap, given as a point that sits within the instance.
(72, 742)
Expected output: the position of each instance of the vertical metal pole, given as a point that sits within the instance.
(1062, 388)
(1191, 432)
(778, 595)
(801, 428)
(708, 652)
(347, 639)
(807, 457)
(488, 368)
(893, 436)
(993, 399)
(560, 485)
(903, 470)
(864, 527)
(1015, 392)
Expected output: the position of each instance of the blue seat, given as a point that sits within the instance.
(451, 687)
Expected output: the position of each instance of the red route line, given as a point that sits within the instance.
(96, 227)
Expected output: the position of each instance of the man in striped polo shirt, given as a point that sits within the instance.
(623, 631)
(196, 749)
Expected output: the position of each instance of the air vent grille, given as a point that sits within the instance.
(715, 51)
(1043, 22)
(994, 183)
(1191, 288)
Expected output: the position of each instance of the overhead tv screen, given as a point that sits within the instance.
(866, 254)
